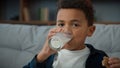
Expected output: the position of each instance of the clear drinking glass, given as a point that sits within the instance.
(57, 41)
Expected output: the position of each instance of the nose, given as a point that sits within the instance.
(67, 30)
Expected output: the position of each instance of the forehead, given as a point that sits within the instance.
(71, 14)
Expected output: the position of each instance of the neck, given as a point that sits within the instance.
(80, 47)
(76, 48)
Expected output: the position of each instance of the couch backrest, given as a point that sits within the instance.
(20, 43)
(106, 38)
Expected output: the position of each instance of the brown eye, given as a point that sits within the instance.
(75, 25)
(61, 25)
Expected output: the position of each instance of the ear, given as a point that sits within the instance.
(91, 30)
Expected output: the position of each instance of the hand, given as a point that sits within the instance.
(114, 62)
(46, 50)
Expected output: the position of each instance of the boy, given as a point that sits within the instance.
(74, 17)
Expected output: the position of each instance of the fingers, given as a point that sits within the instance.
(53, 32)
(114, 62)
(46, 50)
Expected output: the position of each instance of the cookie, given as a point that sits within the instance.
(105, 61)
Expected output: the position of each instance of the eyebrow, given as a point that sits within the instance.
(74, 20)
(60, 21)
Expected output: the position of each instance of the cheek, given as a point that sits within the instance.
(79, 35)
(76, 35)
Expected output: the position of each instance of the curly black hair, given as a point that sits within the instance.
(84, 5)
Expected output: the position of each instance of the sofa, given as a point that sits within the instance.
(20, 43)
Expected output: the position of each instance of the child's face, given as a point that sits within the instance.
(74, 22)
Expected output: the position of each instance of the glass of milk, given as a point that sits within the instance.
(57, 41)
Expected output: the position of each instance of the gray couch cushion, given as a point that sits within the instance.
(106, 38)
(20, 43)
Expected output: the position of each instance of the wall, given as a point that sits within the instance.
(12, 7)
(105, 10)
